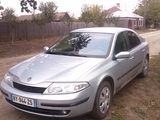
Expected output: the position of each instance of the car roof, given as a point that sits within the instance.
(102, 30)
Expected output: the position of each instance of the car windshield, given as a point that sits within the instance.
(83, 45)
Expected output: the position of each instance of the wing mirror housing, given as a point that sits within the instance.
(122, 55)
(46, 48)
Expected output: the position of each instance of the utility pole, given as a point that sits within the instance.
(1, 7)
(145, 13)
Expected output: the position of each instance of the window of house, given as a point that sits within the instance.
(141, 23)
(135, 23)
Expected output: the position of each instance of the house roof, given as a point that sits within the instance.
(113, 9)
(126, 14)
(60, 15)
(117, 12)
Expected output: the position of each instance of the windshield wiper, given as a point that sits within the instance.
(72, 54)
(65, 53)
(56, 53)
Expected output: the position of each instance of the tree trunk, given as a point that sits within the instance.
(12, 36)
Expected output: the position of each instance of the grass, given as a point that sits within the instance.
(129, 103)
(154, 103)
(155, 67)
(116, 116)
(140, 111)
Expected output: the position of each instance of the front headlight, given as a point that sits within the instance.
(65, 88)
(9, 77)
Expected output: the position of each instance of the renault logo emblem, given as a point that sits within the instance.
(29, 79)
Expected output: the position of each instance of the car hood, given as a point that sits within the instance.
(47, 68)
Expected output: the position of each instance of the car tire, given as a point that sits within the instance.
(145, 69)
(102, 100)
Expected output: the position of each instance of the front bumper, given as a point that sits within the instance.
(66, 105)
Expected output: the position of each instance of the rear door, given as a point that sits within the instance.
(121, 66)
(136, 53)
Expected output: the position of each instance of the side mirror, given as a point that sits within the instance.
(122, 55)
(46, 48)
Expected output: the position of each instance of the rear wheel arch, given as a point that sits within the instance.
(147, 56)
(145, 67)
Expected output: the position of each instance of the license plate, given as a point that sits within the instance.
(23, 100)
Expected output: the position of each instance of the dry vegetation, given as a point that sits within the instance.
(140, 99)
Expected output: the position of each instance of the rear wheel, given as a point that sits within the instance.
(102, 100)
(145, 69)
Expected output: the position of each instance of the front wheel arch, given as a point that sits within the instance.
(104, 96)
(111, 82)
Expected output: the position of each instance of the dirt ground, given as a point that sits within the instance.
(7, 49)
(139, 100)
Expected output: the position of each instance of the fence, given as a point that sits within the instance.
(29, 30)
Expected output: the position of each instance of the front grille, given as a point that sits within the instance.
(28, 88)
(39, 110)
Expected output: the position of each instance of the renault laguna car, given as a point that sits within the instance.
(79, 74)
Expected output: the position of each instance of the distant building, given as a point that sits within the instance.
(25, 18)
(61, 16)
(125, 18)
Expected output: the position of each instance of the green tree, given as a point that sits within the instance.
(8, 15)
(98, 15)
(86, 15)
(28, 6)
(150, 9)
(93, 13)
(48, 11)
(47, 14)
(1, 7)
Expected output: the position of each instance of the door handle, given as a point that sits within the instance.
(131, 58)
(143, 50)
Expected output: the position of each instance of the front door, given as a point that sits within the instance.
(121, 66)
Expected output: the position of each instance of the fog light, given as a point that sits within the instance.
(64, 112)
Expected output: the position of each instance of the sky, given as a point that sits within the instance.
(74, 6)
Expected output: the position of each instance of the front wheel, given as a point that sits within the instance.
(145, 69)
(102, 100)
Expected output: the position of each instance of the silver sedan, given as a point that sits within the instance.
(79, 74)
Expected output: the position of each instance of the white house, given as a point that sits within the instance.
(125, 18)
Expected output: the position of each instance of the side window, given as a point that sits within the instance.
(121, 44)
(133, 40)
